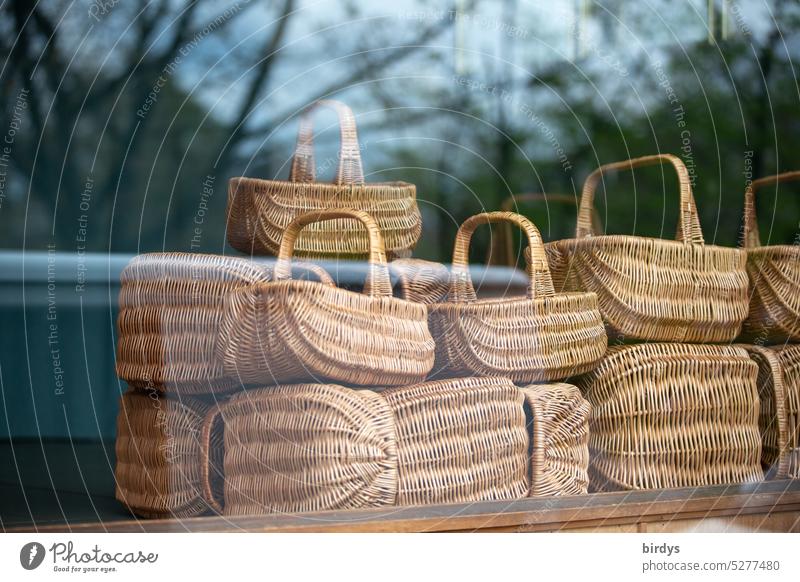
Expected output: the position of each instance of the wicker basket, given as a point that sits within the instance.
(420, 281)
(260, 210)
(652, 289)
(296, 331)
(171, 306)
(673, 415)
(460, 441)
(558, 425)
(303, 448)
(159, 462)
(779, 391)
(543, 336)
(774, 277)
(501, 251)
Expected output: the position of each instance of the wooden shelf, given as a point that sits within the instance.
(767, 506)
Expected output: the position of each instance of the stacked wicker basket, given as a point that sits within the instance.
(260, 386)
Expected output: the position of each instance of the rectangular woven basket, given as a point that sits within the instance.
(315, 447)
(673, 415)
(774, 272)
(558, 429)
(653, 289)
(159, 470)
(779, 420)
(171, 308)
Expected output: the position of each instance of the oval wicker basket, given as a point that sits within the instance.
(260, 210)
(301, 448)
(673, 415)
(543, 336)
(294, 331)
(420, 281)
(558, 426)
(779, 420)
(158, 447)
(459, 441)
(774, 276)
(653, 289)
(171, 307)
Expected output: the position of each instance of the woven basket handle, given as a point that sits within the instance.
(505, 239)
(377, 283)
(349, 170)
(541, 283)
(751, 237)
(784, 446)
(209, 495)
(688, 221)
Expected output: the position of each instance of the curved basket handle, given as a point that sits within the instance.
(505, 238)
(688, 222)
(377, 283)
(210, 496)
(349, 170)
(782, 470)
(750, 236)
(541, 283)
(320, 273)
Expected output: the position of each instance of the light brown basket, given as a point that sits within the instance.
(543, 336)
(558, 425)
(171, 307)
(653, 289)
(673, 415)
(301, 448)
(158, 472)
(419, 280)
(501, 251)
(774, 276)
(259, 211)
(779, 391)
(460, 441)
(295, 331)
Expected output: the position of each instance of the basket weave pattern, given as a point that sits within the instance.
(259, 211)
(171, 308)
(774, 276)
(459, 440)
(295, 331)
(558, 425)
(543, 336)
(673, 415)
(652, 289)
(307, 447)
(420, 281)
(158, 471)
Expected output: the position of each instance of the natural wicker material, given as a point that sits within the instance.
(459, 441)
(170, 312)
(558, 425)
(542, 336)
(779, 392)
(260, 210)
(653, 289)
(501, 251)
(158, 472)
(673, 415)
(774, 276)
(295, 331)
(420, 281)
(307, 447)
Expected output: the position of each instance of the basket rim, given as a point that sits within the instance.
(642, 239)
(266, 183)
(521, 299)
